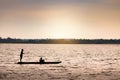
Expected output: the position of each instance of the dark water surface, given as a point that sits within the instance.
(79, 62)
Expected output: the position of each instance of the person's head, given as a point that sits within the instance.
(22, 49)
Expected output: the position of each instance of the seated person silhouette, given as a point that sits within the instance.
(41, 60)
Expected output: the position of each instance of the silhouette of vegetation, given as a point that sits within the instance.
(60, 41)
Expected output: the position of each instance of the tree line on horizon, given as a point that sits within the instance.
(60, 41)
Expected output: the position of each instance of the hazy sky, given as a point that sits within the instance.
(89, 19)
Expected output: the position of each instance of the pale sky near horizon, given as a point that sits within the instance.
(90, 19)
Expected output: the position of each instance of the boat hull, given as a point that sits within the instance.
(57, 62)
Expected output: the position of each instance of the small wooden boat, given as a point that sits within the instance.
(56, 62)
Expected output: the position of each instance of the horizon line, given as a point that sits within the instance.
(64, 38)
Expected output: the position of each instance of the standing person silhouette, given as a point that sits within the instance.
(21, 55)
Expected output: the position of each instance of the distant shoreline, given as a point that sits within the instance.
(60, 41)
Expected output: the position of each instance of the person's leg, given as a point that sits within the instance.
(20, 58)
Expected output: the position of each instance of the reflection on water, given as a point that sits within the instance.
(79, 62)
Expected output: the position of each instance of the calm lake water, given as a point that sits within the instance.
(79, 62)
